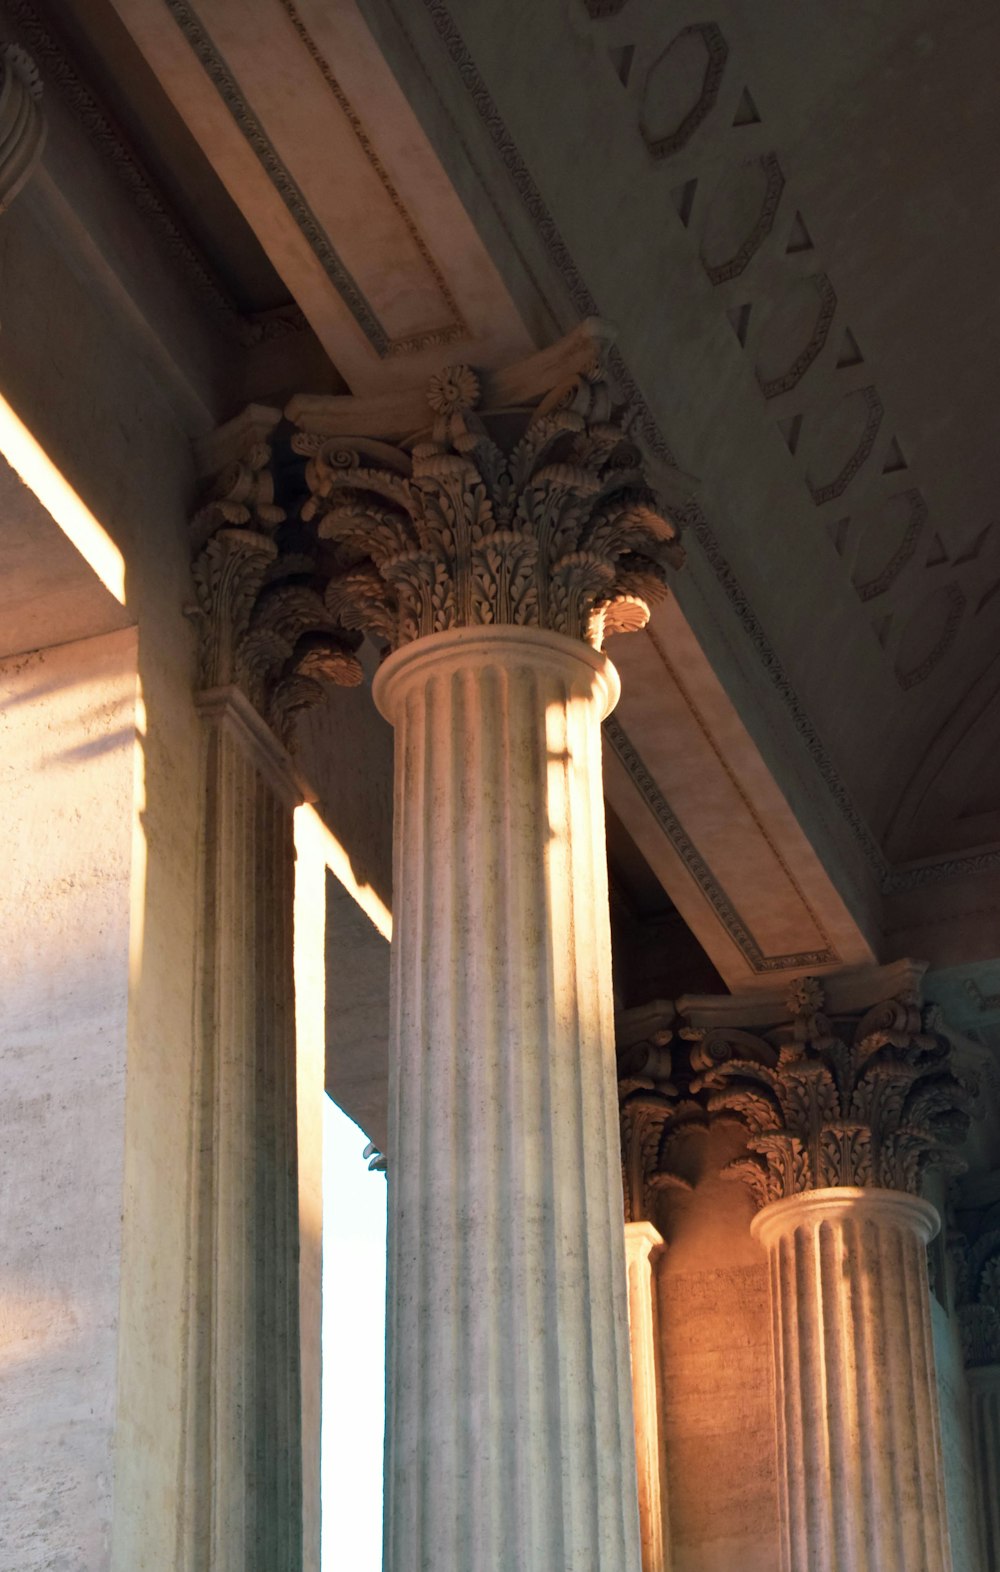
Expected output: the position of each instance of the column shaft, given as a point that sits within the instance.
(642, 1245)
(249, 1484)
(984, 1395)
(509, 1424)
(859, 1453)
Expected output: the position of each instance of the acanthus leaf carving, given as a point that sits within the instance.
(867, 1099)
(264, 623)
(532, 516)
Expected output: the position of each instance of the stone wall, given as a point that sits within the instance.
(67, 746)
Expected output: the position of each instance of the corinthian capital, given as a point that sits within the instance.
(22, 123)
(863, 1098)
(520, 500)
(264, 625)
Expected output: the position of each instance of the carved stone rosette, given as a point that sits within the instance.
(259, 582)
(864, 1100)
(536, 516)
(22, 122)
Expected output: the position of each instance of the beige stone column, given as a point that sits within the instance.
(642, 1245)
(508, 1421)
(984, 1397)
(859, 1462)
(492, 553)
(846, 1105)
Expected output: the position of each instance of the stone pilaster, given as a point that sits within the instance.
(22, 121)
(489, 555)
(844, 1113)
(266, 643)
(650, 1111)
(978, 1294)
(643, 1244)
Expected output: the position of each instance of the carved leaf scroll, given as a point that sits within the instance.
(529, 517)
(860, 1100)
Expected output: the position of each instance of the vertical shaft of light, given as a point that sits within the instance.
(984, 1394)
(859, 1454)
(509, 1424)
(642, 1244)
(249, 1477)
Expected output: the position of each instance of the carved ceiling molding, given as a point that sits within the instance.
(110, 141)
(698, 868)
(816, 424)
(890, 880)
(284, 183)
(456, 327)
(22, 121)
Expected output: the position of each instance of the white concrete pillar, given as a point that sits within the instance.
(509, 1416)
(643, 1244)
(859, 1460)
(984, 1396)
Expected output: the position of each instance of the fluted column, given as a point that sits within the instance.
(984, 1401)
(859, 1464)
(642, 1245)
(845, 1108)
(508, 1416)
(490, 532)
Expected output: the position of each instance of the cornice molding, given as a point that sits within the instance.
(698, 868)
(291, 194)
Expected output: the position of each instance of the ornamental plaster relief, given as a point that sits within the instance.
(757, 248)
(22, 122)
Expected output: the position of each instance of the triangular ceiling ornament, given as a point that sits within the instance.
(747, 113)
(838, 534)
(739, 316)
(800, 238)
(882, 627)
(683, 200)
(894, 459)
(850, 354)
(622, 59)
(791, 429)
(937, 554)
